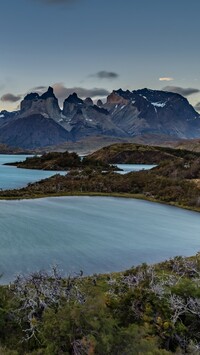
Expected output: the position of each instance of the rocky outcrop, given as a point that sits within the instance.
(99, 103)
(88, 101)
(116, 98)
(46, 105)
(72, 103)
(83, 118)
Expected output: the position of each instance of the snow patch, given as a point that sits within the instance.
(159, 104)
(122, 107)
(144, 97)
(45, 115)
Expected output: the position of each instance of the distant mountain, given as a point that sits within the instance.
(83, 118)
(153, 112)
(46, 105)
(126, 115)
(31, 132)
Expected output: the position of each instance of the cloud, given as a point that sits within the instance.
(181, 91)
(10, 97)
(197, 106)
(103, 74)
(63, 92)
(166, 78)
(39, 88)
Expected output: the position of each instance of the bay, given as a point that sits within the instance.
(93, 234)
(12, 177)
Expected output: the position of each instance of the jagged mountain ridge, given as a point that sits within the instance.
(155, 112)
(40, 122)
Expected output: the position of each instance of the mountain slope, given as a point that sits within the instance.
(126, 115)
(155, 112)
(32, 132)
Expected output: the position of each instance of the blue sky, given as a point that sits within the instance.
(66, 43)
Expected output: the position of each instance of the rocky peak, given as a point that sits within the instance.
(73, 102)
(88, 101)
(99, 103)
(46, 105)
(32, 96)
(49, 93)
(73, 99)
(116, 98)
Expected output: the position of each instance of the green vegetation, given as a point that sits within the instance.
(175, 180)
(145, 310)
(152, 310)
(61, 162)
(144, 184)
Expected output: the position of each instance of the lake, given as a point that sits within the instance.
(127, 168)
(93, 234)
(12, 177)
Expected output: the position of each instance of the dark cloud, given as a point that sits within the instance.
(63, 92)
(103, 74)
(11, 98)
(181, 91)
(197, 106)
(39, 88)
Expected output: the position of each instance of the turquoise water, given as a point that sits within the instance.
(12, 177)
(95, 234)
(127, 168)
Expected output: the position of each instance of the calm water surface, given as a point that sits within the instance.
(95, 234)
(127, 168)
(12, 177)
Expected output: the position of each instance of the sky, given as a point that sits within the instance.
(93, 47)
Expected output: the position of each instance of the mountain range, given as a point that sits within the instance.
(40, 122)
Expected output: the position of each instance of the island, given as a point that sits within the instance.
(175, 180)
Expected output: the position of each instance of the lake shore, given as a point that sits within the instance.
(100, 194)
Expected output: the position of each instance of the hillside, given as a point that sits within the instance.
(32, 132)
(5, 149)
(189, 144)
(148, 309)
(130, 153)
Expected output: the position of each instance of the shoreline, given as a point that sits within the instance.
(100, 194)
